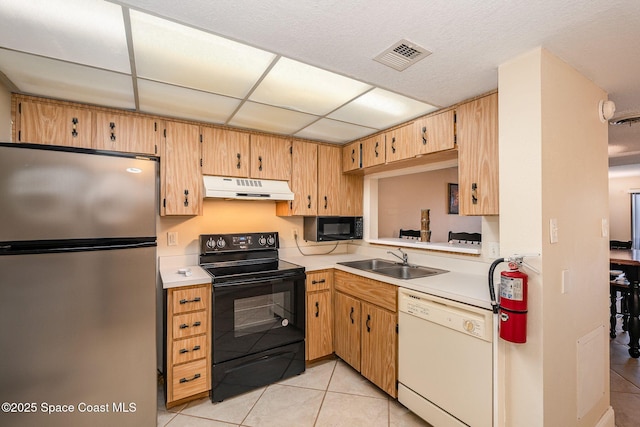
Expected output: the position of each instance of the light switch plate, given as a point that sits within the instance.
(172, 238)
(553, 230)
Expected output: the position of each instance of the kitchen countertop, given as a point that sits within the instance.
(462, 287)
(458, 286)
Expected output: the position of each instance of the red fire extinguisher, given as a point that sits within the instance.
(512, 307)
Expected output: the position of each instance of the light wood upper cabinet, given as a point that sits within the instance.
(53, 123)
(373, 151)
(351, 194)
(477, 123)
(351, 157)
(126, 133)
(329, 180)
(270, 157)
(225, 152)
(180, 170)
(304, 173)
(400, 143)
(435, 133)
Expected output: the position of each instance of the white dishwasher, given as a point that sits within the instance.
(445, 360)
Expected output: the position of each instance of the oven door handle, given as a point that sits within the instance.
(257, 282)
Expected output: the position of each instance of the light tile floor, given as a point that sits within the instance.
(331, 393)
(328, 393)
(625, 381)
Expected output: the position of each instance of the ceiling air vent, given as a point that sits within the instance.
(627, 119)
(402, 55)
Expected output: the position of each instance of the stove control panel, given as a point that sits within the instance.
(210, 243)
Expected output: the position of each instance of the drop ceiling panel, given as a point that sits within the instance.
(175, 101)
(270, 119)
(183, 56)
(334, 131)
(67, 81)
(380, 109)
(297, 86)
(89, 32)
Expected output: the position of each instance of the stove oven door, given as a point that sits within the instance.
(251, 317)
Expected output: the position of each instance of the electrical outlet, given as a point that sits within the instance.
(553, 230)
(172, 238)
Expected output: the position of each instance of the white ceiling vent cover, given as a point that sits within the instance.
(402, 55)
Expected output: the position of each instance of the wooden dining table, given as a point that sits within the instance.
(628, 260)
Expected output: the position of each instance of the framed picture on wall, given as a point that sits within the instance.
(453, 198)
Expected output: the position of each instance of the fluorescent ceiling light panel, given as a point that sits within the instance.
(68, 81)
(380, 109)
(175, 101)
(89, 32)
(183, 56)
(270, 119)
(301, 87)
(334, 131)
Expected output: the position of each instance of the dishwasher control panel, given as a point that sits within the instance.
(453, 315)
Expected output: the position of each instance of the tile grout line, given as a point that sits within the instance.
(326, 390)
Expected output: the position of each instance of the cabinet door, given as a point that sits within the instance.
(351, 195)
(400, 143)
(181, 176)
(225, 152)
(329, 175)
(351, 157)
(304, 174)
(347, 329)
(373, 151)
(436, 132)
(129, 134)
(379, 347)
(54, 124)
(270, 157)
(477, 123)
(319, 325)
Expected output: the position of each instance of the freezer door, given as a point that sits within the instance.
(78, 329)
(49, 194)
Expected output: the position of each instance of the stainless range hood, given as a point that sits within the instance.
(246, 188)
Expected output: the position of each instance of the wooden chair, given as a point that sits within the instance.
(410, 234)
(464, 237)
(618, 244)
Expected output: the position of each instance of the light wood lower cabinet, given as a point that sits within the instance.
(319, 337)
(188, 340)
(365, 328)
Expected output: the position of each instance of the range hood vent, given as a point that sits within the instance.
(246, 189)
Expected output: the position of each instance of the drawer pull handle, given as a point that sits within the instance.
(368, 320)
(186, 301)
(195, 324)
(316, 282)
(326, 201)
(351, 316)
(184, 350)
(317, 309)
(186, 380)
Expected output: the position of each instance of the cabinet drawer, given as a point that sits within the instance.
(190, 299)
(186, 325)
(189, 379)
(189, 349)
(378, 293)
(319, 280)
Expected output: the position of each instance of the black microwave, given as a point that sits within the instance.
(332, 228)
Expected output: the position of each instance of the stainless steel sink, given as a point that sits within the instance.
(393, 269)
(369, 264)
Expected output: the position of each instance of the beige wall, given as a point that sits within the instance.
(5, 114)
(553, 164)
(401, 198)
(620, 206)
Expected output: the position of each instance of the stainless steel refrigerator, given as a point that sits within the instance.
(77, 287)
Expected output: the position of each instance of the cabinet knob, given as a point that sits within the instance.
(317, 309)
(424, 135)
(309, 202)
(260, 163)
(74, 130)
(326, 202)
(351, 316)
(393, 144)
(367, 323)
(238, 165)
(186, 198)
(112, 126)
(375, 150)
(474, 193)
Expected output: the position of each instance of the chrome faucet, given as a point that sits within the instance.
(404, 257)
